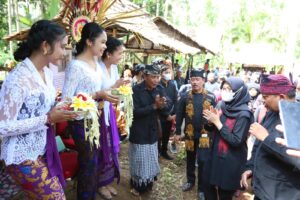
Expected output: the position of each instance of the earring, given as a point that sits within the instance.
(45, 52)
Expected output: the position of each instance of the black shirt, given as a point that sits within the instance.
(276, 175)
(144, 128)
(171, 92)
(180, 81)
(198, 112)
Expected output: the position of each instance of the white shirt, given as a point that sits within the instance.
(109, 79)
(81, 78)
(58, 77)
(25, 100)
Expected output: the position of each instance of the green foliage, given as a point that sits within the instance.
(180, 157)
(3, 27)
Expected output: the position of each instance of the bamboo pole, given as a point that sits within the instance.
(9, 25)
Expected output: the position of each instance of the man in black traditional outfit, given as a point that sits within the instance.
(275, 175)
(149, 103)
(197, 139)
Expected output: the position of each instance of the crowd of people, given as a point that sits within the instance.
(228, 123)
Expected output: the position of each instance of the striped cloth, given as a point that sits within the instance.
(143, 162)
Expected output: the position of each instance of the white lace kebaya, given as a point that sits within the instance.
(25, 100)
(79, 77)
(109, 79)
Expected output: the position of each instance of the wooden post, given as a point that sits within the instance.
(114, 33)
(173, 60)
(146, 59)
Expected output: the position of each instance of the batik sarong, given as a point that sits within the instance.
(143, 165)
(35, 180)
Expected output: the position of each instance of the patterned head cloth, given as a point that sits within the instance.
(275, 84)
(198, 73)
(153, 69)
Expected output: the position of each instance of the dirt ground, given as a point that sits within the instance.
(166, 188)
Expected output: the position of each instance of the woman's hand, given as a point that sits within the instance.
(120, 82)
(245, 176)
(107, 97)
(212, 116)
(59, 115)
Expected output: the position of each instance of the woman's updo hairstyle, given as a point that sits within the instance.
(90, 32)
(112, 45)
(40, 31)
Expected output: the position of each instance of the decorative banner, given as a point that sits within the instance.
(77, 26)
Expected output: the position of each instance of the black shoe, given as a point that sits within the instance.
(187, 187)
(201, 196)
(166, 156)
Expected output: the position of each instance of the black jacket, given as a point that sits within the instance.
(198, 111)
(171, 93)
(276, 175)
(224, 169)
(144, 129)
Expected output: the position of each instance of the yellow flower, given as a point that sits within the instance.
(125, 90)
(83, 102)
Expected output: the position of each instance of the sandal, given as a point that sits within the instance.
(105, 193)
(134, 192)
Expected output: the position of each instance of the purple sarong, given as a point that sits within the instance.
(52, 157)
(109, 149)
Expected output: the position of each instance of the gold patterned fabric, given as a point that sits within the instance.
(34, 179)
(204, 140)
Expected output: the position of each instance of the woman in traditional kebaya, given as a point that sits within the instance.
(28, 145)
(109, 138)
(83, 74)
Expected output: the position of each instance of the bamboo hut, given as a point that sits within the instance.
(147, 36)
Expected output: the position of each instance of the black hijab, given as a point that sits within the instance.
(238, 107)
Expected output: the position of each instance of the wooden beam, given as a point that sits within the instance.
(114, 33)
(137, 57)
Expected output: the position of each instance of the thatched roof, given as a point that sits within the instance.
(174, 33)
(21, 35)
(146, 46)
(147, 30)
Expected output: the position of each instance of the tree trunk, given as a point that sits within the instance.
(9, 14)
(16, 10)
(144, 3)
(157, 7)
(166, 12)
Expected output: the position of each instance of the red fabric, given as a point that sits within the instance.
(275, 85)
(60, 130)
(61, 127)
(69, 163)
(223, 145)
(69, 143)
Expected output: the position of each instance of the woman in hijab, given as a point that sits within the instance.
(229, 148)
(254, 92)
